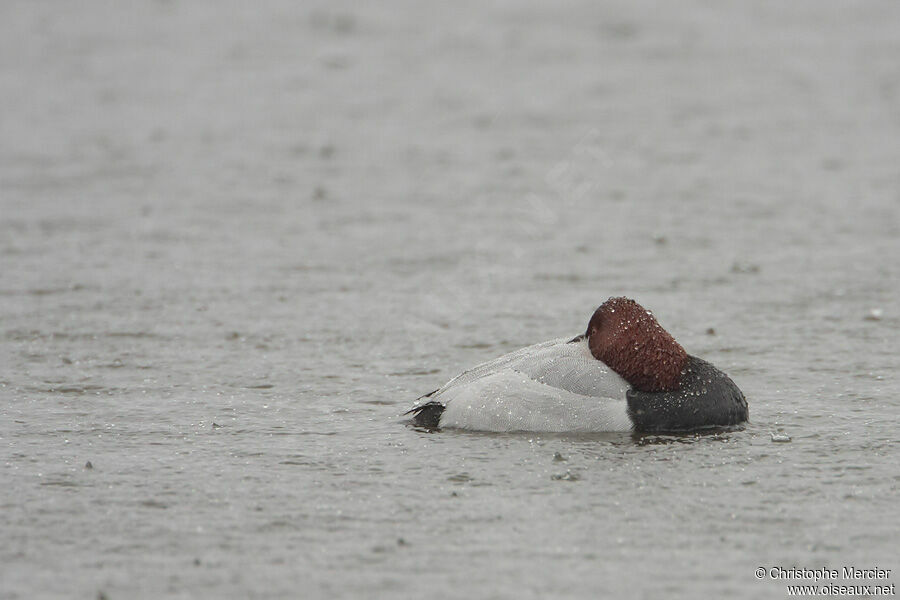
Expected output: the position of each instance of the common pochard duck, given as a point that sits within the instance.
(625, 373)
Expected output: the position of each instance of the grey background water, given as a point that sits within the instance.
(237, 241)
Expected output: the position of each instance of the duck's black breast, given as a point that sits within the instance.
(706, 398)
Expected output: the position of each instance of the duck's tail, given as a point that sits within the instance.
(427, 414)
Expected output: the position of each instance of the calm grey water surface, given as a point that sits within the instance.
(236, 241)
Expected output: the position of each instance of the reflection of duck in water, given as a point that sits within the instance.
(625, 373)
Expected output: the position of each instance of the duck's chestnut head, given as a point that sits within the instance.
(627, 337)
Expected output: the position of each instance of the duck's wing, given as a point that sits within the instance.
(570, 366)
(477, 372)
(561, 363)
(553, 386)
(522, 356)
